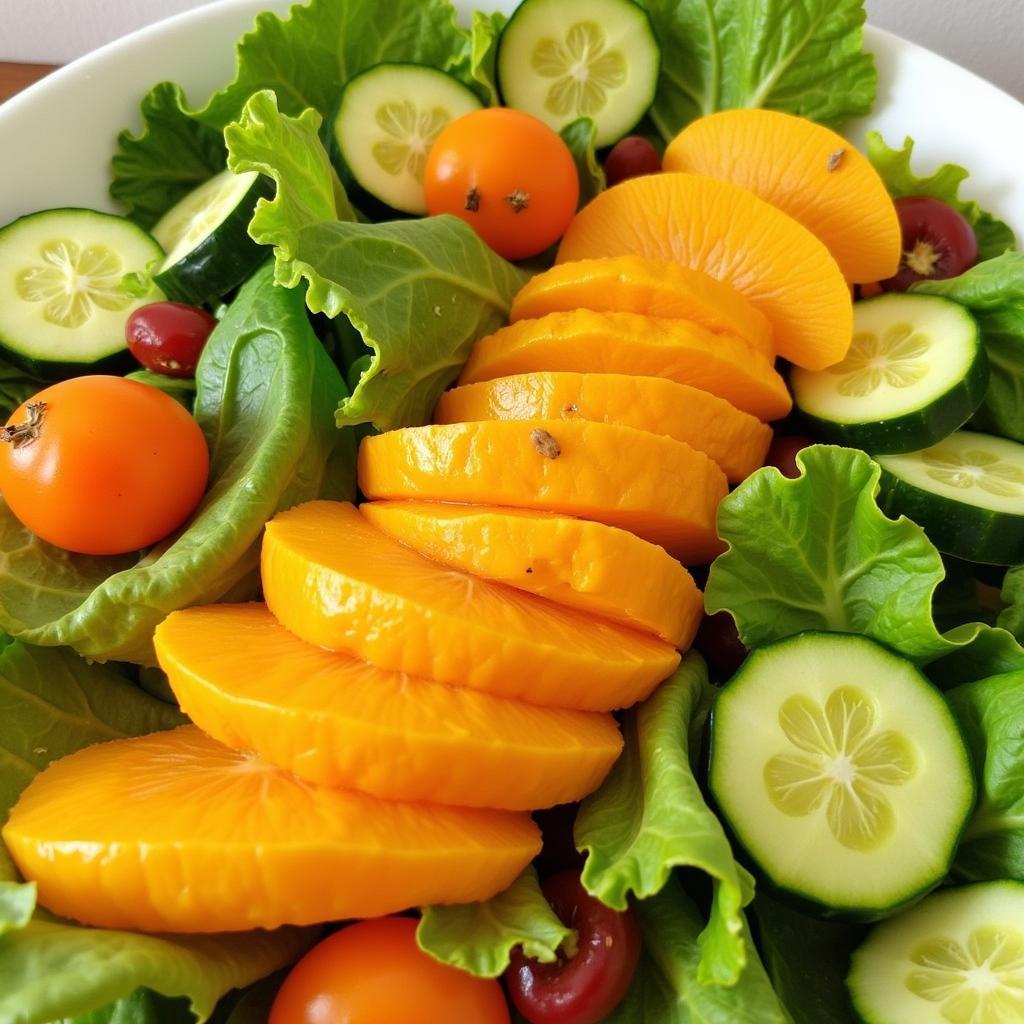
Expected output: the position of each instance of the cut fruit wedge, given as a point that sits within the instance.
(632, 284)
(337, 581)
(584, 565)
(808, 172)
(248, 682)
(634, 345)
(175, 832)
(729, 233)
(737, 441)
(661, 490)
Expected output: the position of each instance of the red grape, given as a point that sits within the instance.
(631, 157)
(585, 987)
(719, 641)
(168, 337)
(938, 242)
(783, 452)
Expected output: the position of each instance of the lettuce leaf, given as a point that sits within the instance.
(806, 58)
(667, 989)
(579, 136)
(991, 715)
(420, 292)
(16, 386)
(994, 293)
(994, 236)
(1011, 618)
(54, 703)
(650, 817)
(817, 553)
(478, 937)
(484, 35)
(266, 392)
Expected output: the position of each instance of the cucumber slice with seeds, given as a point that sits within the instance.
(957, 958)
(62, 304)
(967, 492)
(387, 120)
(842, 772)
(206, 238)
(565, 59)
(916, 371)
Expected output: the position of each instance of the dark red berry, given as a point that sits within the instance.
(168, 337)
(937, 242)
(631, 157)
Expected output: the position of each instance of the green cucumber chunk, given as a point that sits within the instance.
(967, 492)
(388, 118)
(61, 296)
(561, 60)
(841, 771)
(206, 238)
(956, 958)
(916, 371)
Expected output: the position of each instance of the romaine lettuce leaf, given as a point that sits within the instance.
(483, 54)
(991, 715)
(994, 236)
(806, 58)
(420, 292)
(1011, 618)
(54, 703)
(817, 553)
(994, 292)
(650, 817)
(478, 937)
(266, 392)
(667, 989)
(579, 136)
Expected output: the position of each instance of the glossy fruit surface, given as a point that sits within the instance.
(506, 174)
(729, 233)
(938, 242)
(374, 973)
(335, 580)
(168, 337)
(631, 157)
(176, 832)
(805, 170)
(583, 988)
(244, 679)
(102, 465)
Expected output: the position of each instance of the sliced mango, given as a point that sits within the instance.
(335, 580)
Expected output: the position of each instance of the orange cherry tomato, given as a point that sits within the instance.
(102, 465)
(374, 973)
(508, 175)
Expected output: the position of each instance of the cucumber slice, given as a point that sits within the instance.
(387, 120)
(565, 59)
(206, 238)
(916, 371)
(62, 305)
(841, 771)
(958, 958)
(967, 492)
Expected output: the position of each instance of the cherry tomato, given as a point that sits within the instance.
(587, 986)
(508, 175)
(102, 465)
(938, 242)
(783, 452)
(374, 973)
(168, 337)
(719, 641)
(631, 157)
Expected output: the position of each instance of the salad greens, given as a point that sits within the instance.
(420, 292)
(483, 53)
(1011, 617)
(53, 704)
(16, 386)
(266, 392)
(579, 137)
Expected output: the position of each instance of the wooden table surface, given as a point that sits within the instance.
(15, 77)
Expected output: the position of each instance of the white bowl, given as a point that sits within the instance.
(56, 138)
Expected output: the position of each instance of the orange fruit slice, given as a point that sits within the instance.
(634, 345)
(660, 489)
(584, 565)
(248, 682)
(805, 170)
(175, 832)
(737, 441)
(731, 234)
(632, 284)
(335, 580)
